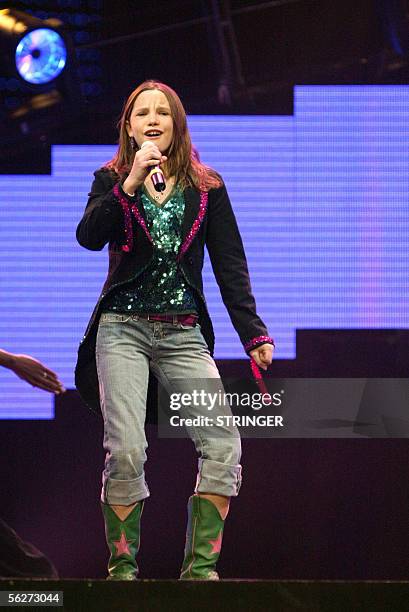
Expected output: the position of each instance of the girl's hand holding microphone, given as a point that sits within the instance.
(145, 158)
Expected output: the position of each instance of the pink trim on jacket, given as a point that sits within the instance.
(127, 209)
(127, 220)
(258, 340)
(196, 224)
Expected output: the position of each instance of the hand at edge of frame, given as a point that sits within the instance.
(36, 374)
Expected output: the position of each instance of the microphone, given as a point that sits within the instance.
(156, 174)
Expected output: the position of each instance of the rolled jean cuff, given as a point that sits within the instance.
(218, 478)
(124, 492)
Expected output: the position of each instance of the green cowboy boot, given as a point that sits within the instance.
(203, 540)
(123, 538)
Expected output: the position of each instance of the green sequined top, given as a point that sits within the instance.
(161, 287)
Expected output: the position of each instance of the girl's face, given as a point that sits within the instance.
(151, 119)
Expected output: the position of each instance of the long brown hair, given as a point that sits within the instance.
(183, 159)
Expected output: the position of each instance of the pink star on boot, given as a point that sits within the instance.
(121, 545)
(216, 544)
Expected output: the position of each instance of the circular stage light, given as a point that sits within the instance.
(41, 56)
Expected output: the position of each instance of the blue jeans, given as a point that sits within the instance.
(127, 347)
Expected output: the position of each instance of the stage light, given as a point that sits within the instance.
(41, 56)
(40, 95)
(35, 50)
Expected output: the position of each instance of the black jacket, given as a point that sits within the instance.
(115, 218)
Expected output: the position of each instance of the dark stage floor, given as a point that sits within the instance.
(225, 595)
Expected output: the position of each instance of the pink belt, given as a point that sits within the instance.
(184, 319)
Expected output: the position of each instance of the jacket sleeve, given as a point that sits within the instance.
(103, 220)
(229, 264)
